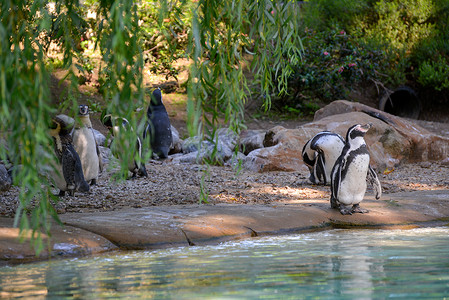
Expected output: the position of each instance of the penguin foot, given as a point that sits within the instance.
(93, 182)
(61, 193)
(357, 209)
(345, 211)
(142, 171)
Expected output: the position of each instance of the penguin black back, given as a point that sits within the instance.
(158, 128)
(68, 158)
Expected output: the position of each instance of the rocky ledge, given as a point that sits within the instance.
(188, 225)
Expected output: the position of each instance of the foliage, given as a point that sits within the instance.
(222, 32)
(333, 64)
(165, 30)
(389, 42)
(26, 29)
(221, 35)
(435, 74)
(25, 110)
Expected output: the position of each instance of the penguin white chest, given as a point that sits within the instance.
(353, 185)
(85, 146)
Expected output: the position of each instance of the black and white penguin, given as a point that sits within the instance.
(351, 171)
(69, 171)
(87, 147)
(158, 128)
(320, 153)
(116, 126)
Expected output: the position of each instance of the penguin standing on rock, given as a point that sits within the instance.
(320, 154)
(158, 128)
(87, 147)
(117, 126)
(69, 176)
(351, 171)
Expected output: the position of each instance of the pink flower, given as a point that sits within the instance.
(326, 53)
(341, 69)
(352, 65)
(342, 32)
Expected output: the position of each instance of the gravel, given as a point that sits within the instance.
(170, 183)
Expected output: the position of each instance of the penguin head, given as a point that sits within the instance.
(83, 110)
(156, 97)
(107, 121)
(357, 130)
(55, 127)
(60, 126)
(113, 123)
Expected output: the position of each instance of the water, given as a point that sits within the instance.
(337, 264)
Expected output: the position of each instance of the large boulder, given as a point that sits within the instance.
(421, 145)
(391, 140)
(282, 151)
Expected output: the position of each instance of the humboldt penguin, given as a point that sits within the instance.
(320, 153)
(116, 126)
(351, 171)
(69, 171)
(87, 147)
(158, 128)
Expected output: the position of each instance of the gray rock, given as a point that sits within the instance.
(5, 179)
(189, 158)
(251, 140)
(106, 154)
(176, 146)
(236, 160)
(228, 138)
(99, 137)
(193, 144)
(217, 152)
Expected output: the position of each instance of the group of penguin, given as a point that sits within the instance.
(344, 164)
(79, 161)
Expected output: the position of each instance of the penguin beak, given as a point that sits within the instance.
(366, 127)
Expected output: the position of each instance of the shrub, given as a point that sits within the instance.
(434, 74)
(394, 42)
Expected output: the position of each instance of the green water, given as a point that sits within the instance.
(337, 264)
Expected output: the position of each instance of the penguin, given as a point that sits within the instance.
(351, 171)
(116, 126)
(320, 153)
(158, 128)
(69, 171)
(87, 147)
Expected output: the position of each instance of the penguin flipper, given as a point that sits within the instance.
(335, 183)
(374, 181)
(320, 168)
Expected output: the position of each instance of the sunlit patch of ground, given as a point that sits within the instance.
(179, 184)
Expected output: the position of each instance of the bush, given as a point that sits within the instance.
(349, 43)
(333, 64)
(434, 74)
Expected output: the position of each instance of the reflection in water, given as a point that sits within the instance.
(363, 264)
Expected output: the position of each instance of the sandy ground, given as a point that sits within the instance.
(174, 184)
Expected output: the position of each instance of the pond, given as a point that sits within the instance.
(335, 264)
